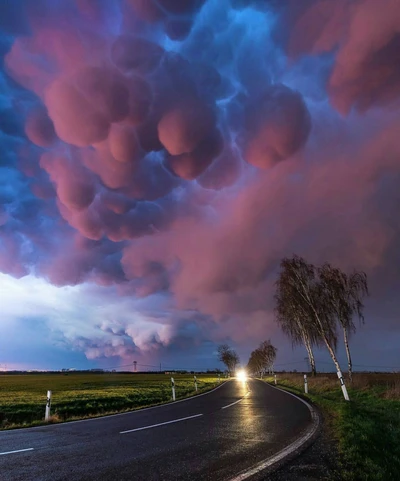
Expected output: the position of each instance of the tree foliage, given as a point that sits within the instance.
(345, 294)
(311, 302)
(229, 357)
(262, 358)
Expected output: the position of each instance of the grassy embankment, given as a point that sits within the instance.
(80, 395)
(367, 428)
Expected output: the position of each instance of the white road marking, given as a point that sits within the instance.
(238, 401)
(17, 451)
(289, 449)
(161, 424)
(67, 423)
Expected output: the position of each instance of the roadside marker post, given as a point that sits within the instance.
(219, 378)
(48, 406)
(173, 388)
(343, 386)
(305, 384)
(195, 383)
(275, 379)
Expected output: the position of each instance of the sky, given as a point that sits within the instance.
(158, 158)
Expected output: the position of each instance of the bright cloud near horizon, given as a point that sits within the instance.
(158, 158)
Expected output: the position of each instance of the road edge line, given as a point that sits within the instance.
(283, 454)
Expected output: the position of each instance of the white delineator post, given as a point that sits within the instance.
(48, 406)
(195, 383)
(275, 379)
(305, 384)
(343, 386)
(173, 388)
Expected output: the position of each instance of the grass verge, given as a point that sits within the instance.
(367, 429)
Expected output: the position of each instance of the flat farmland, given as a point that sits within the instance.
(79, 395)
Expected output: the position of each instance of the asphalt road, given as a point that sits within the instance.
(226, 431)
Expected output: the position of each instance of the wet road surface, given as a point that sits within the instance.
(214, 436)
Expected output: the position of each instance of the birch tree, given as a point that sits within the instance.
(301, 291)
(262, 358)
(345, 294)
(255, 364)
(294, 325)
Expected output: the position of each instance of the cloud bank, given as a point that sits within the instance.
(169, 153)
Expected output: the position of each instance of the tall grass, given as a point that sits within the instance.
(383, 384)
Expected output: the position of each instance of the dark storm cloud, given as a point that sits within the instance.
(181, 148)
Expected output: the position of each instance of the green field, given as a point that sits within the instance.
(367, 429)
(79, 395)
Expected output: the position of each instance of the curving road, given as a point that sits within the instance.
(214, 436)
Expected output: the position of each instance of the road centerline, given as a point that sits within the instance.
(16, 451)
(161, 424)
(238, 401)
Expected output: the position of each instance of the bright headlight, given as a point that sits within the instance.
(241, 375)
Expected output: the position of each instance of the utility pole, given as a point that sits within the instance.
(160, 366)
(134, 366)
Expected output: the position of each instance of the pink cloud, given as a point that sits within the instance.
(39, 128)
(186, 170)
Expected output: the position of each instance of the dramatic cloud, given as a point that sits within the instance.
(182, 128)
(39, 128)
(159, 157)
(277, 125)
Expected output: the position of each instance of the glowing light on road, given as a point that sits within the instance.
(241, 375)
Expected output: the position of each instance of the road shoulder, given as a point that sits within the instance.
(318, 461)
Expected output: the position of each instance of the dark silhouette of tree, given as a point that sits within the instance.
(229, 357)
(302, 297)
(345, 294)
(254, 365)
(262, 358)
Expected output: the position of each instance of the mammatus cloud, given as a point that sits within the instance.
(161, 149)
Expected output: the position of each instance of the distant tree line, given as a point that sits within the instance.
(314, 303)
(262, 359)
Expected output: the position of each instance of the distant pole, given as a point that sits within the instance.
(134, 366)
(275, 379)
(305, 384)
(173, 388)
(195, 383)
(160, 366)
(48, 406)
